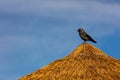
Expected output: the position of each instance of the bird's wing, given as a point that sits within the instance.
(87, 36)
(90, 38)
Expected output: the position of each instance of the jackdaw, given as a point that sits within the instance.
(85, 36)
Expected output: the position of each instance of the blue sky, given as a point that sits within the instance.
(34, 33)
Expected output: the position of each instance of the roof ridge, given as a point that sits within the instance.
(86, 49)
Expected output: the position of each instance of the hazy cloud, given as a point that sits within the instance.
(89, 13)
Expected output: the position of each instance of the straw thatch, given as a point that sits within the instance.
(85, 63)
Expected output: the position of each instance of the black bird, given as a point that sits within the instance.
(85, 36)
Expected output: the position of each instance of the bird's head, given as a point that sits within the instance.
(80, 30)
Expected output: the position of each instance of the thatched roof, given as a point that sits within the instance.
(86, 62)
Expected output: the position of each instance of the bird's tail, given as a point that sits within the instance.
(94, 41)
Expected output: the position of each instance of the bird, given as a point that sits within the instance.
(84, 36)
